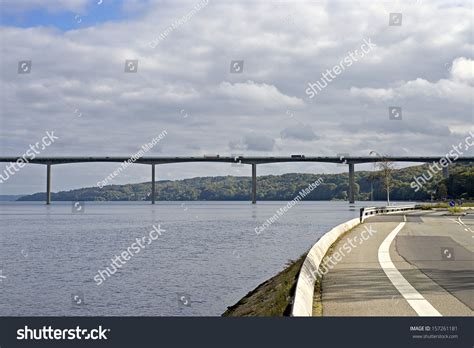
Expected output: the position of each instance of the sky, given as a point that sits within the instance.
(230, 78)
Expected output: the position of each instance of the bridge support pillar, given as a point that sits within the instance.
(153, 184)
(351, 183)
(254, 183)
(48, 184)
(446, 172)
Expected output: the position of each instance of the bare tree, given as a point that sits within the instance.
(386, 169)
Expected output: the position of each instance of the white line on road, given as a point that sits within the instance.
(456, 221)
(421, 306)
(466, 227)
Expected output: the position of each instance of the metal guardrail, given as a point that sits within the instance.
(372, 211)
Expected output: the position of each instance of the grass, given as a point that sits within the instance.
(272, 298)
(455, 209)
(444, 205)
(318, 299)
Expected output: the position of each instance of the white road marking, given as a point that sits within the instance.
(456, 221)
(466, 227)
(420, 305)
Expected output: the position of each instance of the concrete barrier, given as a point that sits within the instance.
(303, 301)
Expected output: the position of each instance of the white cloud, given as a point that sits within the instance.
(457, 87)
(253, 142)
(184, 84)
(373, 93)
(463, 70)
(258, 93)
(299, 131)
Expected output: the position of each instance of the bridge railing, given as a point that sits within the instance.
(372, 211)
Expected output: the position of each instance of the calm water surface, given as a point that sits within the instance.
(209, 253)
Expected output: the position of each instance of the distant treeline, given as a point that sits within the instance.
(283, 187)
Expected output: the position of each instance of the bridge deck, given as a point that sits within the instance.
(234, 159)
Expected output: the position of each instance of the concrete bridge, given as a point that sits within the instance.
(250, 160)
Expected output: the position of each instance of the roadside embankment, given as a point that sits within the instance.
(272, 298)
(277, 295)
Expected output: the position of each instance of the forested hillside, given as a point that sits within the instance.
(282, 187)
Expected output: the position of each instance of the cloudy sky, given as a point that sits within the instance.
(77, 86)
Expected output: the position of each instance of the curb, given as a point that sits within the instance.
(303, 301)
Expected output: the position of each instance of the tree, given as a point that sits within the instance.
(386, 169)
(442, 191)
(342, 195)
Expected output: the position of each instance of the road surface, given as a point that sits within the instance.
(413, 264)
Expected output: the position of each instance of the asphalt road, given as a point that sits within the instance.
(413, 264)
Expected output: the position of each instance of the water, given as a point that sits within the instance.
(208, 252)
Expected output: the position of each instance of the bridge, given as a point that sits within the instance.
(350, 161)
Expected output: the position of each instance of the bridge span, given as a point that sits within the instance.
(350, 161)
